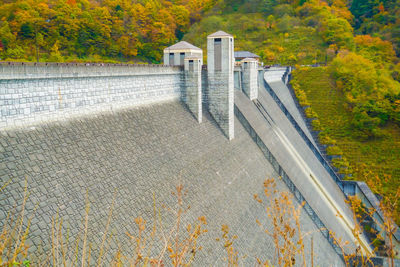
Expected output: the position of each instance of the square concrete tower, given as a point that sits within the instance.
(220, 65)
(250, 77)
(191, 93)
(175, 54)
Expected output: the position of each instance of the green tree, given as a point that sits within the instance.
(338, 31)
(375, 49)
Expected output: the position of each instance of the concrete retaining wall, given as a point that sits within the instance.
(33, 93)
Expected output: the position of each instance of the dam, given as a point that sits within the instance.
(123, 137)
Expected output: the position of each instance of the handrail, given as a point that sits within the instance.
(297, 194)
(292, 187)
(317, 153)
(83, 64)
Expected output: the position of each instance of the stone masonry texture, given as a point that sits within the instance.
(192, 93)
(250, 79)
(220, 89)
(34, 93)
(131, 155)
(134, 154)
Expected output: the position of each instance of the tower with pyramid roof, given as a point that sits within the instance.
(175, 55)
(220, 66)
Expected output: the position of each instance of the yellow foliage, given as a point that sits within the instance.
(375, 49)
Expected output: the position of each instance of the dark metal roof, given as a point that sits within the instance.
(245, 54)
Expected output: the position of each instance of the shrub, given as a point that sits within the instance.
(334, 150)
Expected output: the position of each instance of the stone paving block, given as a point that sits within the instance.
(140, 152)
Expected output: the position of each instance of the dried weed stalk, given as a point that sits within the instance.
(286, 228)
(379, 233)
(232, 253)
(180, 242)
(13, 247)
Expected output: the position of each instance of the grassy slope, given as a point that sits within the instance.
(375, 161)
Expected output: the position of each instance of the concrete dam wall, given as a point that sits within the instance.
(31, 93)
(137, 151)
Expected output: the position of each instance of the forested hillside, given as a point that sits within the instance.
(94, 30)
(289, 32)
(381, 18)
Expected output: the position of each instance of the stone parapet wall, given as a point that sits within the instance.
(35, 93)
(23, 70)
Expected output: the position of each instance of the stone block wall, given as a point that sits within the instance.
(139, 154)
(220, 98)
(237, 77)
(34, 93)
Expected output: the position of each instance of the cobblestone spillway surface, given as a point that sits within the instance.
(139, 153)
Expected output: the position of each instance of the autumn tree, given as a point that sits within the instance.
(118, 29)
(370, 92)
(375, 49)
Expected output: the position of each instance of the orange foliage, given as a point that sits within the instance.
(381, 8)
(375, 48)
(102, 28)
(339, 8)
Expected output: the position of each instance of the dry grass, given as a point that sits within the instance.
(232, 254)
(180, 241)
(286, 233)
(382, 241)
(13, 248)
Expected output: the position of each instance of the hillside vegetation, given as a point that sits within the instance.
(94, 30)
(380, 18)
(374, 160)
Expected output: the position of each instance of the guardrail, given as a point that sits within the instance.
(286, 179)
(347, 187)
(300, 131)
(86, 64)
(356, 261)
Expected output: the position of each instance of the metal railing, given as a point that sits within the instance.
(347, 187)
(286, 179)
(343, 185)
(300, 131)
(377, 261)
